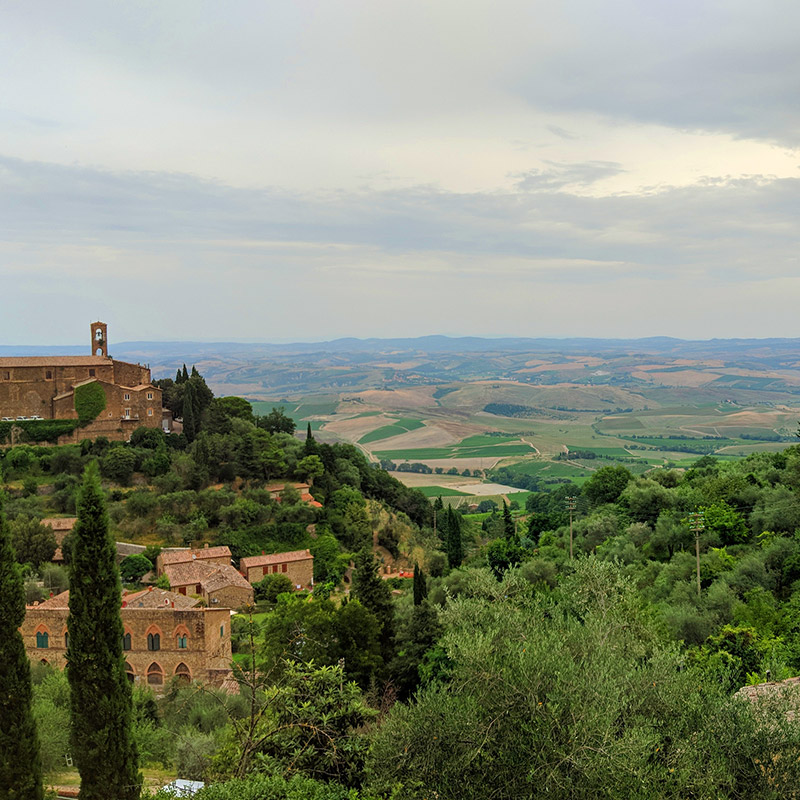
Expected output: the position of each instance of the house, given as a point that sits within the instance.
(166, 635)
(303, 489)
(208, 555)
(48, 387)
(297, 565)
(218, 584)
(60, 526)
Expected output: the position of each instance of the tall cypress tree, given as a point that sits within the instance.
(20, 764)
(184, 375)
(508, 524)
(188, 413)
(178, 376)
(454, 542)
(374, 594)
(100, 695)
(420, 585)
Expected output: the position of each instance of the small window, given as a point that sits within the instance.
(6, 376)
(284, 567)
(153, 641)
(149, 395)
(126, 397)
(42, 640)
(149, 412)
(183, 642)
(126, 642)
(91, 373)
(127, 413)
(48, 375)
(66, 640)
(221, 631)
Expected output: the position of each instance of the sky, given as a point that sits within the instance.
(298, 170)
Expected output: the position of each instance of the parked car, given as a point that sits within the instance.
(22, 419)
(35, 416)
(8, 419)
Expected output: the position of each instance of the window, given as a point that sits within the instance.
(126, 642)
(149, 412)
(153, 641)
(221, 631)
(183, 641)
(284, 567)
(149, 395)
(126, 397)
(6, 376)
(182, 671)
(155, 675)
(91, 373)
(66, 640)
(42, 639)
(48, 375)
(127, 413)
(129, 673)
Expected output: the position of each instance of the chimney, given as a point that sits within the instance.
(173, 604)
(149, 588)
(124, 603)
(206, 545)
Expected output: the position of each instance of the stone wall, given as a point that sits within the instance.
(300, 573)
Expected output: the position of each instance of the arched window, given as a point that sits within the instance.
(129, 673)
(155, 675)
(126, 641)
(42, 639)
(66, 639)
(183, 674)
(45, 662)
(183, 641)
(153, 641)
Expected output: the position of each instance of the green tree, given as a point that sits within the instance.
(420, 585)
(508, 524)
(20, 764)
(374, 594)
(134, 566)
(606, 484)
(309, 467)
(118, 465)
(33, 542)
(189, 412)
(276, 422)
(454, 543)
(100, 695)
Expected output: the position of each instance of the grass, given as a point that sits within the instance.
(440, 491)
(397, 428)
(427, 453)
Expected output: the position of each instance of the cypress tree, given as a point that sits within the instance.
(453, 542)
(188, 413)
(374, 594)
(508, 524)
(178, 376)
(184, 375)
(100, 695)
(420, 585)
(20, 764)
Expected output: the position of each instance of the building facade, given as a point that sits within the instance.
(297, 565)
(220, 554)
(218, 584)
(166, 635)
(45, 386)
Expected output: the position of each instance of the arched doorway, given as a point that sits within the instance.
(155, 675)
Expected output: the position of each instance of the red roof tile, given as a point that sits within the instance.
(275, 558)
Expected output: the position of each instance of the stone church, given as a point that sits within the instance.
(43, 387)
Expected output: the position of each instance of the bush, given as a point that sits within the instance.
(90, 400)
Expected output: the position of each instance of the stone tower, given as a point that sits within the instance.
(99, 339)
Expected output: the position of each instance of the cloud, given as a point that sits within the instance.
(559, 176)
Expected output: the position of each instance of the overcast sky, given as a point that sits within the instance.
(297, 170)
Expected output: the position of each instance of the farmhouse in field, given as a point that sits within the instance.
(166, 635)
(120, 395)
(297, 565)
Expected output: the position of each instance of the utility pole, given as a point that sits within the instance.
(571, 502)
(696, 519)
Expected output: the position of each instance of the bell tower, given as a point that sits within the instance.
(99, 339)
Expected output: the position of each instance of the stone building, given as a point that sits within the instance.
(298, 566)
(165, 635)
(209, 555)
(45, 386)
(218, 584)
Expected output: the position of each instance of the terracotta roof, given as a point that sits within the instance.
(147, 598)
(210, 576)
(158, 598)
(55, 361)
(275, 558)
(60, 526)
(187, 556)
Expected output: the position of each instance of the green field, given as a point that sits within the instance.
(398, 428)
(440, 491)
(428, 453)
